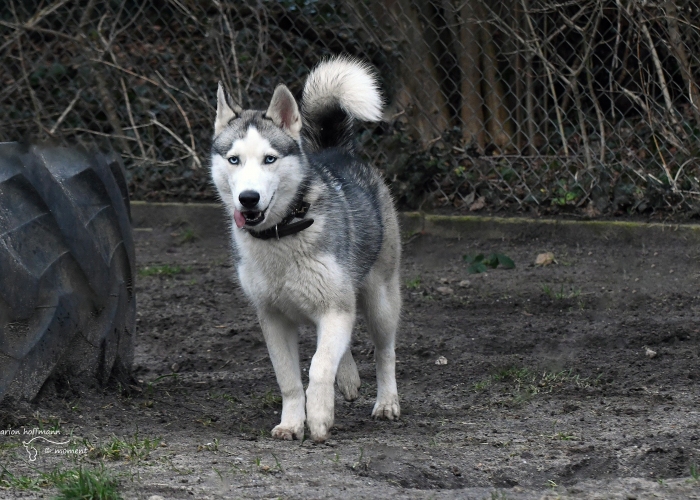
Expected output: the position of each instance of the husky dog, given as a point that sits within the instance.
(315, 236)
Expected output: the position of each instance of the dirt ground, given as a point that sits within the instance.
(573, 380)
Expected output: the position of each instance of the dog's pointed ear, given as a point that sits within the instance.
(284, 112)
(225, 110)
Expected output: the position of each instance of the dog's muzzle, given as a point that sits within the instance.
(248, 218)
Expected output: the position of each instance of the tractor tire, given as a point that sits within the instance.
(67, 306)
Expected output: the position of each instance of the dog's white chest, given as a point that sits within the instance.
(300, 284)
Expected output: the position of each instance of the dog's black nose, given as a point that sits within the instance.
(249, 199)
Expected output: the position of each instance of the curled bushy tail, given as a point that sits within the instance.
(338, 92)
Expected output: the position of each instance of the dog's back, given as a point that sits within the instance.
(362, 219)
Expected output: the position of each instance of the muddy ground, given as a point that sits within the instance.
(573, 380)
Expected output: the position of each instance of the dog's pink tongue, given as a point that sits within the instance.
(239, 218)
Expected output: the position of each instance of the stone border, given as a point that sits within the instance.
(210, 219)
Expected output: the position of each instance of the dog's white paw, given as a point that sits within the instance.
(349, 386)
(388, 409)
(348, 378)
(320, 411)
(288, 433)
(319, 422)
(320, 432)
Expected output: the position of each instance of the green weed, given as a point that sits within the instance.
(131, 449)
(268, 400)
(481, 385)
(564, 436)
(73, 484)
(413, 284)
(480, 264)
(187, 236)
(526, 383)
(279, 464)
(561, 294)
(85, 484)
(212, 446)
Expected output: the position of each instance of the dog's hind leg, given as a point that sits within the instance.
(334, 332)
(281, 337)
(348, 378)
(381, 301)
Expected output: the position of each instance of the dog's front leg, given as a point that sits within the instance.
(281, 336)
(334, 332)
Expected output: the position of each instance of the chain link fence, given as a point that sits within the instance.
(590, 107)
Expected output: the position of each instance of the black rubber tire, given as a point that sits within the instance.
(67, 306)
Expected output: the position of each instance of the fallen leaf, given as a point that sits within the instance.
(478, 204)
(544, 259)
(591, 211)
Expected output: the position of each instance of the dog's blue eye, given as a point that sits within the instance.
(270, 159)
(234, 160)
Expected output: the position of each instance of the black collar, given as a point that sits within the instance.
(286, 227)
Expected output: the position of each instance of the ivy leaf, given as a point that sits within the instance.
(472, 259)
(491, 261)
(505, 261)
(476, 268)
(479, 263)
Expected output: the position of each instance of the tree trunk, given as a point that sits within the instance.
(498, 124)
(678, 46)
(412, 73)
(472, 113)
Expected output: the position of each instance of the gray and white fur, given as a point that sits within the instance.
(345, 263)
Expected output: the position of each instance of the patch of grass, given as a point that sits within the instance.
(213, 446)
(413, 284)
(279, 464)
(526, 383)
(361, 464)
(564, 436)
(165, 270)
(85, 484)
(150, 388)
(512, 373)
(226, 397)
(694, 472)
(130, 449)
(482, 384)
(42, 480)
(10, 445)
(561, 294)
(268, 400)
(480, 263)
(48, 423)
(187, 236)
(72, 484)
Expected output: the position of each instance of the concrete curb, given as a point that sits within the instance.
(210, 219)
(566, 231)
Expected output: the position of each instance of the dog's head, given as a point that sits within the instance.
(256, 163)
